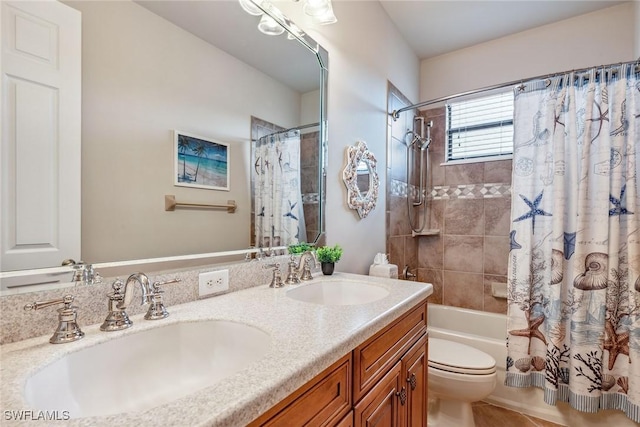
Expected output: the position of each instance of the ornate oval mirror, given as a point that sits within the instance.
(361, 179)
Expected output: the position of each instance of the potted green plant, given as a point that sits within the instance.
(300, 248)
(328, 256)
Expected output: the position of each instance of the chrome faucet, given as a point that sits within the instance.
(119, 300)
(68, 329)
(304, 267)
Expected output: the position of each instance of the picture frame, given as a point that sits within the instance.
(200, 162)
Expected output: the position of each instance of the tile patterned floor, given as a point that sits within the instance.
(487, 415)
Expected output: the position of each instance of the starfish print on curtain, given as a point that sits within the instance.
(574, 276)
(534, 210)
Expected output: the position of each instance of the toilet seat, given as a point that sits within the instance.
(459, 358)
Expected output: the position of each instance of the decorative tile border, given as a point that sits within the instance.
(310, 198)
(447, 192)
(470, 191)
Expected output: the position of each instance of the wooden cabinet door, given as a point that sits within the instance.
(373, 358)
(347, 421)
(414, 370)
(381, 406)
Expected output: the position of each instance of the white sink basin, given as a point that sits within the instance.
(146, 369)
(338, 292)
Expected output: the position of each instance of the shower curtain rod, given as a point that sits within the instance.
(396, 113)
(310, 125)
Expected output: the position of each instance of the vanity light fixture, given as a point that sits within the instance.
(321, 12)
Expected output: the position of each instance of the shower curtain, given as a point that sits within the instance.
(279, 215)
(574, 264)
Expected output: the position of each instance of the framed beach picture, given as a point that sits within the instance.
(200, 162)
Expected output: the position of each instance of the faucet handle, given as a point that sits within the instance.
(276, 281)
(292, 276)
(157, 309)
(306, 272)
(68, 329)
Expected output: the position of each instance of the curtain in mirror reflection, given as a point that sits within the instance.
(278, 199)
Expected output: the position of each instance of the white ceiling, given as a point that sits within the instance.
(436, 27)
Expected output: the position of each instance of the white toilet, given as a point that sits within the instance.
(458, 375)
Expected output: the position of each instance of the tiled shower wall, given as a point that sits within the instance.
(468, 203)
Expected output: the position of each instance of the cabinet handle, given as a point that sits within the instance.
(402, 394)
(412, 381)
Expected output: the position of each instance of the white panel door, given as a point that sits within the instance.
(40, 156)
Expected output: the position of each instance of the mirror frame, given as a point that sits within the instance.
(164, 263)
(362, 203)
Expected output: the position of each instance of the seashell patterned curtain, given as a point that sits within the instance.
(279, 218)
(574, 266)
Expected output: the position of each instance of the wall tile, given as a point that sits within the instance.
(431, 252)
(399, 217)
(497, 216)
(497, 171)
(436, 214)
(496, 255)
(309, 152)
(396, 251)
(410, 253)
(470, 173)
(491, 303)
(463, 253)
(437, 171)
(463, 290)
(464, 216)
(435, 278)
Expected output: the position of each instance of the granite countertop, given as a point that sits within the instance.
(305, 339)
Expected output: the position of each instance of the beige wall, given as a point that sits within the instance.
(142, 78)
(601, 37)
(365, 50)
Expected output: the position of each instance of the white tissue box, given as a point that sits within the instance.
(384, 270)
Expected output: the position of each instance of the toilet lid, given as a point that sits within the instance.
(456, 357)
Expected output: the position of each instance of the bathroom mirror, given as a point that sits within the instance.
(202, 67)
(361, 179)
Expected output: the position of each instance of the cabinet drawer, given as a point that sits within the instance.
(323, 401)
(378, 354)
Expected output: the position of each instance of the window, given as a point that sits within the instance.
(480, 127)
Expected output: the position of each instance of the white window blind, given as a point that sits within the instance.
(480, 127)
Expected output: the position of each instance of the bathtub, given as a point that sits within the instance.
(487, 332)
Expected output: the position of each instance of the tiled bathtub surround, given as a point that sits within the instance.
(469, 203)
(17, 324)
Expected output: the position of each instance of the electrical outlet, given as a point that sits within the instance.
(213, 282)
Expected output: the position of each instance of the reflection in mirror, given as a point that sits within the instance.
(361, 179)
(364, 178)
(151, 67)
(284, 184)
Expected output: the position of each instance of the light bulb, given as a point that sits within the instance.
(316, 7)
(269, 26)
(250, 7)
(326, 18)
